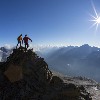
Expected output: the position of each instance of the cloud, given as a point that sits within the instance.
(8, 46)
(42, 48)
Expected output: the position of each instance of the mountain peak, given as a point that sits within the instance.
(85, 45)
(26, 76)
(22, 61)
(19, 55)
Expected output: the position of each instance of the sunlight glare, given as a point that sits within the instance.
(96, 18)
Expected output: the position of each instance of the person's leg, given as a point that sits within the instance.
(20, 43)
(17, 44)
(27, 45)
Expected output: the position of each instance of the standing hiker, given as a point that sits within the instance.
(19, 40)
(26, 41)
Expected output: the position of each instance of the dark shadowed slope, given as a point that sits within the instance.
(25, 76)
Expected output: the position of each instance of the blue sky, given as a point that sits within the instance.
(49, 22)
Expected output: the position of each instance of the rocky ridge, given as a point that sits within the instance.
(26, 76)
(91, 86)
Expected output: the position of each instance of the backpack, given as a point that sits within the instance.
(19, 38)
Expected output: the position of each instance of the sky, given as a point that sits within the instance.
(49, 22)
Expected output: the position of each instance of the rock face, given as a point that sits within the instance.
(26, 76)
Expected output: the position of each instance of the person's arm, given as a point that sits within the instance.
(29, 39)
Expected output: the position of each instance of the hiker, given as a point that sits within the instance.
(19, 40)
(26, 41)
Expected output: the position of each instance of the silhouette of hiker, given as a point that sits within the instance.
(26, 41)
(19, 40)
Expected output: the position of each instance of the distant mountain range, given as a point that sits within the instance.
(71, 60)
(4, 53)
(76, 61)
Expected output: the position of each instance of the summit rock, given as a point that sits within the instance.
(26, 76)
